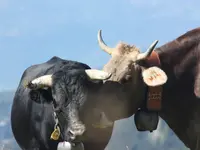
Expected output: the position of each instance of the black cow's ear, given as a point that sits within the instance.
(41, 96)
(34, 95)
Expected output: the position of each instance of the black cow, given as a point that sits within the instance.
(58, 96)
(164, 81)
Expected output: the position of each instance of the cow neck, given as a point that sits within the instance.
(154, 94)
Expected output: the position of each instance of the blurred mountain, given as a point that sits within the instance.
(124, 134)
(7, 142)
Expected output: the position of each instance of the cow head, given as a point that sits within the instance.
(69, 89)
(125, 60)
(131, 68)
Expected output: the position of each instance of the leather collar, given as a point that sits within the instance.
(154, 94)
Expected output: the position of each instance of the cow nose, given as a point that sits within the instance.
(75, 130)
(72, 135)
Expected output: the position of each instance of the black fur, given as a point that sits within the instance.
(32, 111)
(75, 97)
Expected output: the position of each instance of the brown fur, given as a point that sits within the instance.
(181, 97)
(181, 103)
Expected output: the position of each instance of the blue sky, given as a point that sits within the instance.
(33, 31)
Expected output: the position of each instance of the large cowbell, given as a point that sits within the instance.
(146, 120)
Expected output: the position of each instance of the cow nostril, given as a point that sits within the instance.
(71, 135)
(71, 132)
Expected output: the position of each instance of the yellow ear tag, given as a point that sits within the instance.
(56, 133)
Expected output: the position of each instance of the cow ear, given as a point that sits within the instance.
(154, 76)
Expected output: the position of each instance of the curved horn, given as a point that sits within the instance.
(41, 82)
(148, 51)
(102, 44)
(97, 74)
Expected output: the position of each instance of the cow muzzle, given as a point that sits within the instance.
(76, 129)
(72, 131)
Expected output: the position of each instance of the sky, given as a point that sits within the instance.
(32, 32)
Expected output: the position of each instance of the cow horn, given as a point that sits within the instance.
(148, 52)
(97, 74)
(102, 44)
(41, 82)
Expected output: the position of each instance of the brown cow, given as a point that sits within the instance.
(144, 74)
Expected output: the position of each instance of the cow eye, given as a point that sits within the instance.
(123, 81)
(126, 79)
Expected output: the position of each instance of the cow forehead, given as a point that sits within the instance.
(121, 60)
(122, 56)
(123, 49)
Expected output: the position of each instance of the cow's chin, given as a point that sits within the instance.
(64, 146)
(69, 146)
